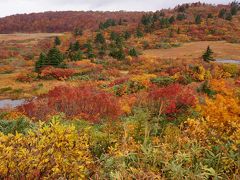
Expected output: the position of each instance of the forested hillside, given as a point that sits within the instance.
(63, 21)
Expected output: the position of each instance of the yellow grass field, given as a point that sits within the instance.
(191, 50)
(25, 36)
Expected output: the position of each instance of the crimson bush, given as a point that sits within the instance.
(87, 103)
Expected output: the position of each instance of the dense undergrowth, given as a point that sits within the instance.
(191, 141)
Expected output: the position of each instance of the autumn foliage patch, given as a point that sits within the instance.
(83, 102)
(171, 99)
(57, 73)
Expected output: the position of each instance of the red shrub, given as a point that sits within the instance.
(119, 81)
(171, 99)
(85, 102)
(113, 72)
(57, 73)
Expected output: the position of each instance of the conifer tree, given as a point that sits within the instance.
(208, 55)
(127, 35)
(76, 46)
(100, 38)
(198, 19)
(41, 62)
(133, 52)
(54, 57)
(139, 33)
(171, 20)
(57, 41)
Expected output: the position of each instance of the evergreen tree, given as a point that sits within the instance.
(75, 56)
(57, 41)
(107, 23)
(164, 23)
(198, 19)
(171, 19)
(89, 51)
(54, 57)
(119, 42)
(234, 7)
(41, 62)
(133, 52)
(117, 53)
(222, 13)
(76, 46)
(181, 16)
(139, 33)
(207, 56)
(127, 35)
(146, 20)
(101, 25)
(100, 38)
(113, 36)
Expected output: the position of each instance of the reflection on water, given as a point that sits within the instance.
(228, 61)
(9, 103)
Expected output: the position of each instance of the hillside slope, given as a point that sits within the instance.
(62, 21)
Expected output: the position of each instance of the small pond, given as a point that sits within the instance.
(227, 61)
(9, 103)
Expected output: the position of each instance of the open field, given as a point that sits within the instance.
(19, 90)
(221, 49)
(26, 36)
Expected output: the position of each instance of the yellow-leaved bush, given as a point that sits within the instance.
(52, 151)
(221, 120)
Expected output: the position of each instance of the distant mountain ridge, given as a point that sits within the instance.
(62, 21)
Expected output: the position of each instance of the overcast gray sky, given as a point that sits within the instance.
(9, 7)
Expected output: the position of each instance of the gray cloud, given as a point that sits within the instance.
(9, 7)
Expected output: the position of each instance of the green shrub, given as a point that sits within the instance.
(20, 125)
(163, 81)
